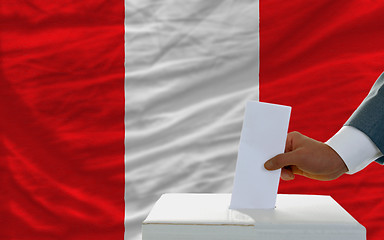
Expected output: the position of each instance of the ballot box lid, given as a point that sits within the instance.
(208, 217)
(213, 209)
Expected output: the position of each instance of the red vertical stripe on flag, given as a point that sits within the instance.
(62, 120)
(322, 58)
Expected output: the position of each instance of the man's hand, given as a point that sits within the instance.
(307, 157)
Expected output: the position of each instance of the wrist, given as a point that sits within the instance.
(354, 147)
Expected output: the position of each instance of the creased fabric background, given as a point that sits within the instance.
(322, 58)
(61, 120)
(190, 68)
(72, 83)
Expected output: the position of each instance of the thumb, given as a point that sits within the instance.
(281, 160)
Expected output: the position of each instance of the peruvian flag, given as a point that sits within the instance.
(106, 105)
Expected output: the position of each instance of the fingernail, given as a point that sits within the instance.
(268, 165)
(286, 176)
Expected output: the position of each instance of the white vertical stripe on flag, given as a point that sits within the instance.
(190, 66)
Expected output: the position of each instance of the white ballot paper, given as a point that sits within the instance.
(263, 136)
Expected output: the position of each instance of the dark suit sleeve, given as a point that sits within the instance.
(369, 116)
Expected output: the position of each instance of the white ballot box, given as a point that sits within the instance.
(208, 217)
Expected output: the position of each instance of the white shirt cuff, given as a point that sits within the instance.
(355, 148)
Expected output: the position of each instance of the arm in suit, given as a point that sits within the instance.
(357, 144)
(369, 116)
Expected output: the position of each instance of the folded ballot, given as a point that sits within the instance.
(262, 137)
(208, 217)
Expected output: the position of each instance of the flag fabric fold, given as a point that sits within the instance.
(62, 120)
